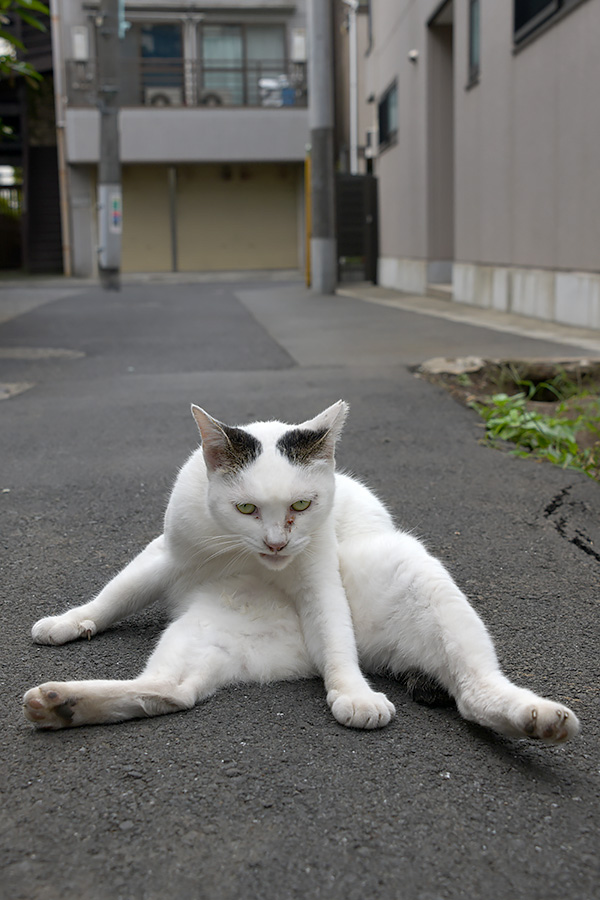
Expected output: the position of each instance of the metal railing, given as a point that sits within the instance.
(179, 82)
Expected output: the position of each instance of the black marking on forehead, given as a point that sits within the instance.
(239, 448)
(302, 446)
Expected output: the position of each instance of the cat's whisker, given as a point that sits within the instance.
(222, 552)
(232, 564)
(222, 544)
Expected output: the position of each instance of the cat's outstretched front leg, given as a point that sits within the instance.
(329, 635)
(136, 586)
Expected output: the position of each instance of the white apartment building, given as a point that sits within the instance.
(213, 133)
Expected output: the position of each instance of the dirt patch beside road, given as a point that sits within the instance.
(553, 391)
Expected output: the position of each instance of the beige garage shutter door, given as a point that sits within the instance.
(146, 243)
(203, 218)
(237, 217)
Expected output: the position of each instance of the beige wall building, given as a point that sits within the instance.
(213, 133)
(488, 154)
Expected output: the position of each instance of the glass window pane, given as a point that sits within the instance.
(474, 38)
(222, 58)
(266, 73)
(388, 116)
(222, 46)
(530, 13)
(393, 110)
(161, 48)
(161, 41)
(265, 43)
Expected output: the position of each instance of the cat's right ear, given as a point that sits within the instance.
(225, 449)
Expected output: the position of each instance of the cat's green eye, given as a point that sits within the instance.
(301, 505)
(246, 508)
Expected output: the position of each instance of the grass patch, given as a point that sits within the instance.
(567, 434)
(541, 409)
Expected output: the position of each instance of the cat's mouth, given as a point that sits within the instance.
(274, 560)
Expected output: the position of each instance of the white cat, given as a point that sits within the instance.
(275, 568)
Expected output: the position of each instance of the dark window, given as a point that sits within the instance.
(474, 44)
(530, 14)
(152, 65)
(388, 116)
(161, 41)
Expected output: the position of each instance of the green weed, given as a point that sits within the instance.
(556, 437)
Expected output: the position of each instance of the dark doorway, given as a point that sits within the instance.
(357, 227)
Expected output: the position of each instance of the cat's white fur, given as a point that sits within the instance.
(278, 593)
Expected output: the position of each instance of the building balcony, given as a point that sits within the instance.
(172, 111)
(189, 83)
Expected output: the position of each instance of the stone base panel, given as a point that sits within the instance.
(569, 298)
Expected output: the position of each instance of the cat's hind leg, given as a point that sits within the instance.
(184, 669)
(136, 586)
(64, 704)
(419, 619)
(176, 677)
(210, 646)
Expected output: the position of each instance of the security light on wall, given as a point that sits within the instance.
(413, 55)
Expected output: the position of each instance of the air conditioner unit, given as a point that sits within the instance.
(372, 144)
(215, 97)
(163, 96)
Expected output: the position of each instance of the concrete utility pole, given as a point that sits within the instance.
(320, 84)
(110, 204)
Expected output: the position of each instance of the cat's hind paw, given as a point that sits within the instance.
(50, 706)
(62, 629)
(549, 722)
(363, 710)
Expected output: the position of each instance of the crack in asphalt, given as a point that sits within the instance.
(579, 539)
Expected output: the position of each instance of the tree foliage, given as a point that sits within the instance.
(28, 11)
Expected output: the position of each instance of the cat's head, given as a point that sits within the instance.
(271, 485)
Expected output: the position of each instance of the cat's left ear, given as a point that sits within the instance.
(331, 421)
(315, 439)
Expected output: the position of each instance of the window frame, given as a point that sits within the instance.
(474, 61)
(391, 134)
(243, 68)
(553, 12)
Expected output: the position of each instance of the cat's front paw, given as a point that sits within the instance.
(366, 709)
(62, 629)
(548, 721)
(50, 706)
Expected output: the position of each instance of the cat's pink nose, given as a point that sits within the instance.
(276, 546)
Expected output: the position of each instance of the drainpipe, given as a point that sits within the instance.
(353, 78)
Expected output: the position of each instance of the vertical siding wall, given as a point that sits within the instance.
(526, 142)
(397, 29)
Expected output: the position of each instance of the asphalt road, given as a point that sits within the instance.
(258, 793)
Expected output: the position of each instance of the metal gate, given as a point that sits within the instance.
(357, 227)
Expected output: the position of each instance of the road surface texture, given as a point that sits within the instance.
(258, 793)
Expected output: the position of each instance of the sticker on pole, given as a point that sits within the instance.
(115, 212)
